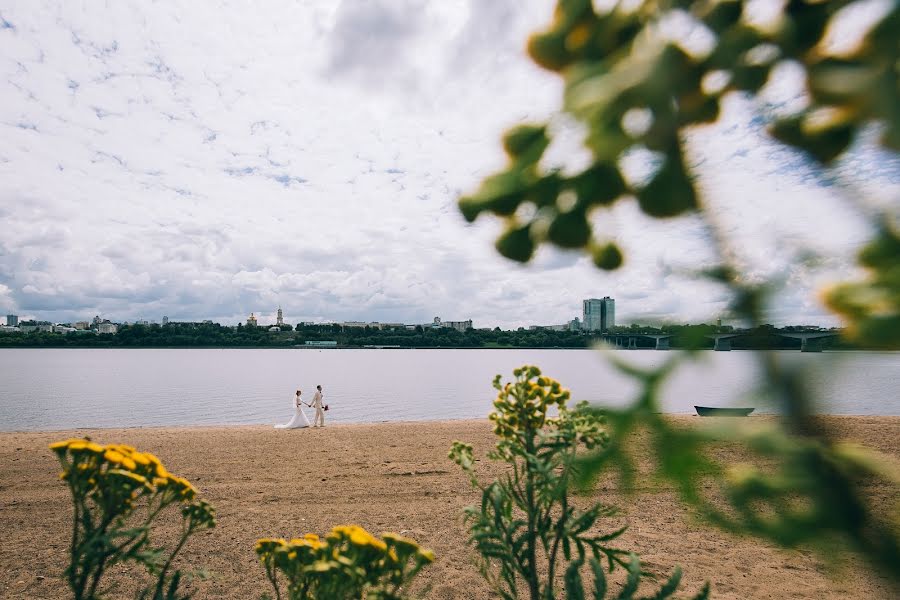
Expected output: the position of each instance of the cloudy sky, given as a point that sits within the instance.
(208, 159)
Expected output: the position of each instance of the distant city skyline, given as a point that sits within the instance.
(312, 156)
(598, 315)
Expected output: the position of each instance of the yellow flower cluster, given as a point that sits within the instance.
(348, 556)
(89, 464)
(357, 536)
(522, 405)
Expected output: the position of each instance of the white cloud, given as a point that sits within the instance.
(207, 160)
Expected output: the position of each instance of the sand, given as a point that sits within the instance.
(385, 477)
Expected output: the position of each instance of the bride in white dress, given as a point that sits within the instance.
(299, 419)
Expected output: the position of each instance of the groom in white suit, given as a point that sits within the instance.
(319, 420)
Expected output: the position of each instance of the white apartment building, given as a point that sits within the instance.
(107, 327)
(457, 325)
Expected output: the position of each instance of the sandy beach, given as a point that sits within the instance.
(385, 477)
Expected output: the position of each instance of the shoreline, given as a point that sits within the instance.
(693, 417)
(375, 347)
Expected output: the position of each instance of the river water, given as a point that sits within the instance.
(50, 389)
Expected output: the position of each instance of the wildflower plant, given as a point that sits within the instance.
(527, 530)
(348, 563)
(117, 495)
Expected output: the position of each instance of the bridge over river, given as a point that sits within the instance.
(810, 341)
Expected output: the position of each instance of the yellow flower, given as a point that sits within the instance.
(140, 458)
(427, 556)
(266, 546)
(399, 540)
(183, 487)
(114, 456)
(63, 444)
(134, 477)
(357, 536)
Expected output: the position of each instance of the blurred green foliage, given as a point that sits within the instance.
(635, 88)
(872, 307)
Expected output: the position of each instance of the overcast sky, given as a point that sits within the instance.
(208, 159)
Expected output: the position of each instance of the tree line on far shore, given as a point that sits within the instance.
(191, 335)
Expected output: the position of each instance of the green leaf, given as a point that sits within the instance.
(608, 257)
(670, 586)
(516, 243)
(599, 579)
(634, 578)
(574, 584)
(600, 184)
(883, 252)
(804, 24)
(500, 194)
(526, 143)
(749, 78)
(733, 43)
(569, 230)
(697, 107)
(670, 192)
(549, 50)
(824, 144)
(704, 593)
(722, 15)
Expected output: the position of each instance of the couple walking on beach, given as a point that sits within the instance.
(300, 419)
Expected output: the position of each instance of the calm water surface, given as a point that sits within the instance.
(69, 388)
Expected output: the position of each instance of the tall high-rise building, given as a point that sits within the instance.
(279, 320)
(12, 320)
(165, 320)
(598, 314)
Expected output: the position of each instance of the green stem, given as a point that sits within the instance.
(560, 532)
(531, 574)
(71, 571)
(162, 575)
(272, 574)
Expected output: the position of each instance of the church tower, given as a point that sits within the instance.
(279, 320)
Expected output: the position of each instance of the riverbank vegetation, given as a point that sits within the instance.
(213, 335)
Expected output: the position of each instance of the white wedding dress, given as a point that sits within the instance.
(299, 419)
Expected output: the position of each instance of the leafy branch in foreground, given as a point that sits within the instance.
(814, 490)
(635, 88)
(117, 495)
(527, 529)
